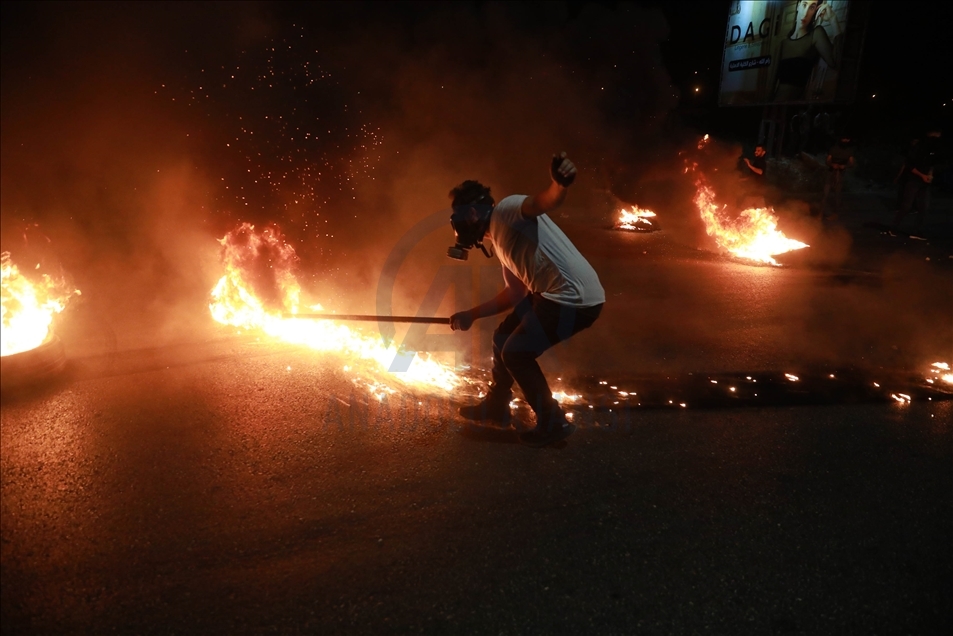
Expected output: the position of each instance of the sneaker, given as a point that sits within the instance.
(540, 437)
(491, 409)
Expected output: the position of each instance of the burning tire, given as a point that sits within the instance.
(35, 365)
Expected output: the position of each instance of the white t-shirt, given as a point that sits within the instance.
(541, 256)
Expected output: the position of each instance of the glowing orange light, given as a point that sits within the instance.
(563, 397)
(234, 303)
(753, 235)
(635, 218)
(941, 371)
(28, 307)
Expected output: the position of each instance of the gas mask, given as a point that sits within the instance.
(469, 223)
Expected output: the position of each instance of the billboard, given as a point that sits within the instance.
(789, 52)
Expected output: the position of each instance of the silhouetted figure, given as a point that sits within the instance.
(801, 131)
(823, 131)
(839, 158)
(904, 174)
(753, 172)
(916, 189)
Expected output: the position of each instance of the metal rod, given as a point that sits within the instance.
(418, 319)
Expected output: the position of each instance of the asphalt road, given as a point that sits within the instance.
(226, 485)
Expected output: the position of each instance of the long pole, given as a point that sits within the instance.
(437, 320)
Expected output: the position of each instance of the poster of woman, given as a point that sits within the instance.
(783, 51)
(808, 49)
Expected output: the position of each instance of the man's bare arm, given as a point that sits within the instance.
(509, 296)
(513, 292)
(755, 169)
(553, 196)
(545, 201)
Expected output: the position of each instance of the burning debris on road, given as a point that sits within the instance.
(603, 402)
(29, 307)
(29, 350)
(259, 291)
(636, 219)
(939, 373)
(751, 235)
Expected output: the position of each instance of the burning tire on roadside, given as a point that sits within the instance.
(29, 349)
(33, 365)
(636, 219)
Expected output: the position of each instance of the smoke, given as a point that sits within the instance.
(480, 91)
(135, 135)
(99, 172)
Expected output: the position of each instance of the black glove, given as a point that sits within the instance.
(461, 321)
(563, 180)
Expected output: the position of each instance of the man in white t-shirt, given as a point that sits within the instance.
(551, 291)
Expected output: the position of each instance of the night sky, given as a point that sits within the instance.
(135, 134)
(902, 64)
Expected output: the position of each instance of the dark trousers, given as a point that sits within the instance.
(534, 325)
(916, 195)
(835, 182)
(901, 186)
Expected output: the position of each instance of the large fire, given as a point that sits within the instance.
(259, 264)
(259, 290)
(28, 307)
(753, 234)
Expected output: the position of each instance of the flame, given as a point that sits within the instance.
(28, 307)
(938, 369)
(635, 218)
(259, 286)
(753, 235)
(566, 398)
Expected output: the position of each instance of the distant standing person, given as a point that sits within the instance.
(916, 190)
(839, 158)
(904, 174)
(823, 131)
(800, 131)
(752, 194)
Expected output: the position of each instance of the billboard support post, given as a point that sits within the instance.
(773, 125)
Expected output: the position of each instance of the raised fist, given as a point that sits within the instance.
(562, 170)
